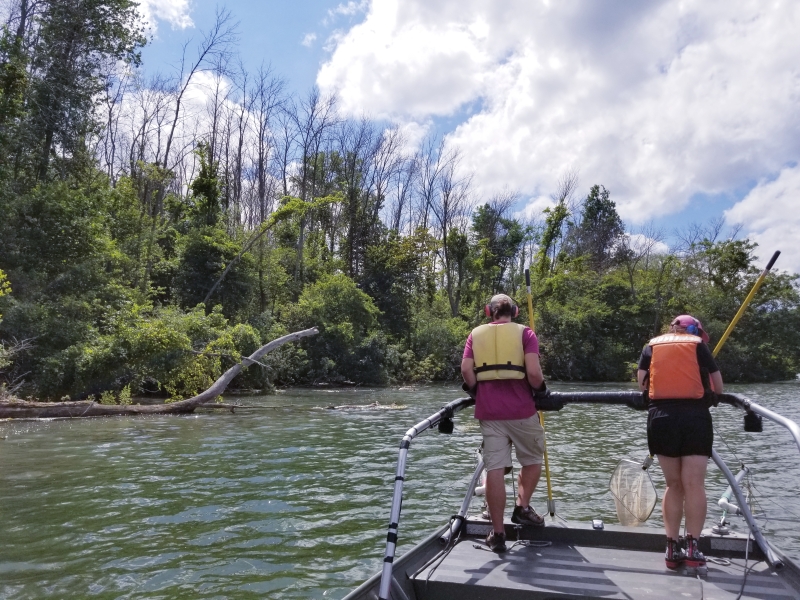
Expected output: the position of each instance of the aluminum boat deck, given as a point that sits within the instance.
(580, 562)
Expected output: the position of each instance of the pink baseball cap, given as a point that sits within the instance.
(689, 322)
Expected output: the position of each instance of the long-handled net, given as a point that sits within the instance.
(634, 494)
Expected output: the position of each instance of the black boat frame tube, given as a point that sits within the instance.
(447, 411)
(458, 520)
(772, 559)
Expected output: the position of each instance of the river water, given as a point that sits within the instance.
(291, 500)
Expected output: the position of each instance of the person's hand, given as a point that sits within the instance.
(471, 391)
(642, 401)
(544, 400)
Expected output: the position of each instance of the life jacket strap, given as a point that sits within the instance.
(506, 367)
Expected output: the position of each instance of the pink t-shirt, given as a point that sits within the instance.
(505, 399)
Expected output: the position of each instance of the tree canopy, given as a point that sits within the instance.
(147, 244)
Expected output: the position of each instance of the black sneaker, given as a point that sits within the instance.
(496, 542)
(694, 558)
(674, 556)
(526, 516)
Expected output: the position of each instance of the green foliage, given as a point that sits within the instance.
(394, 277)
(500, 240)
(206, 252)
(348, 347)
(75, 41)
(206, 190)
(555, 218)
(599, 229)
(438, 343)
(5, 287)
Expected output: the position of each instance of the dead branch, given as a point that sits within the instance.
(89, 408)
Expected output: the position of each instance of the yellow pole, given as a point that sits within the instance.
(747, 300)
(551, 504)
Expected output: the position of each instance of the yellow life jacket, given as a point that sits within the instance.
(498, 351)
(674, 371)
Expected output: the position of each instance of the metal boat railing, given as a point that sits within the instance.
(444, 416)
(556, 401)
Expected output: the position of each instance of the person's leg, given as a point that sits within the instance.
(672, 503)
(496, 457)
(693, 479)
(496, 497)
(526, 483)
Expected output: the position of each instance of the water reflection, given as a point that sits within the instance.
(290, 500)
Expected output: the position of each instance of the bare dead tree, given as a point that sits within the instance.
(431, 161)
(450, 205)
(388, 161)
(311, 120)
(355, 145)
(637, 247)
(403, 187)
(215, 47)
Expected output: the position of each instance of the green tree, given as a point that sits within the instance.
(598, 231)
(503, 240)
(205, 254)
(349, 347)
(77, 41)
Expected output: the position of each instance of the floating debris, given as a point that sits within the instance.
(373, 406)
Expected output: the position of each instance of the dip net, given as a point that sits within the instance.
(634, 494)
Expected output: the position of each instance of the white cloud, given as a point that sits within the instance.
(349, 9)
(770, 216)
(534, 207)
(641, 244)
(309, 39)
(174, 12)
(658, 101)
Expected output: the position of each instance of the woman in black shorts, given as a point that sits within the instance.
(679, 374)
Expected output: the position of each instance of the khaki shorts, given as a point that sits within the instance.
(526, 435)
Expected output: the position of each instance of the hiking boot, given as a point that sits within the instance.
(674, 555)
(694, 558)
(496, 542)
(526, 516)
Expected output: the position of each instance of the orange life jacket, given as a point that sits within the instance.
(674, 370)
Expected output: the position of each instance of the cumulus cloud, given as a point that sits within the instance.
(769, 215)
(658, 101)
(309, 39)
(174, 12)
(349, 9)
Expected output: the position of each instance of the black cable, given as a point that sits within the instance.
(746, 554)
(451, 543)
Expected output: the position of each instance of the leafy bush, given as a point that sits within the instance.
(348, 347)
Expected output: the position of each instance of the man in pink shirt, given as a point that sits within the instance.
(502, 360)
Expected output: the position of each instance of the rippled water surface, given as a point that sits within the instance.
(291, 500)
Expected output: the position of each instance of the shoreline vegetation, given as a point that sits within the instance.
(157, 229)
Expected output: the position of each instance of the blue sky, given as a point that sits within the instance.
(686, 111)
(270, 31)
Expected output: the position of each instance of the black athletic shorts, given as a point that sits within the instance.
(679, 428)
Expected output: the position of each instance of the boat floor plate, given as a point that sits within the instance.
(548, 570)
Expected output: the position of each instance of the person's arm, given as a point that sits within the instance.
(533, 371)
(706, 361)
(641, 375)
(468, 372)
(644, 367)
(716, 382)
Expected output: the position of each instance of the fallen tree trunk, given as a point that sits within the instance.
(89, 408)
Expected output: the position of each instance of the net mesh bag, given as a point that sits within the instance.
(634, 494)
